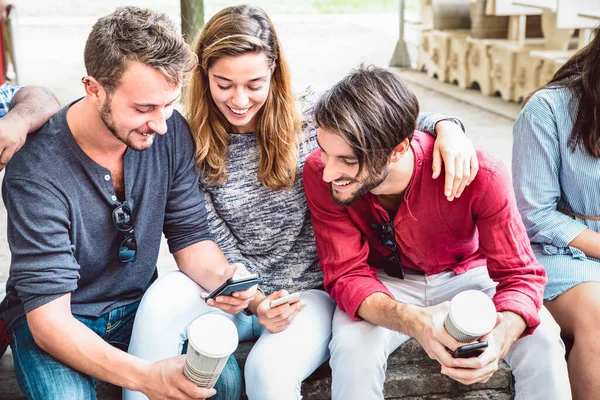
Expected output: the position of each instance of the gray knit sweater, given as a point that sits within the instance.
(270, 231)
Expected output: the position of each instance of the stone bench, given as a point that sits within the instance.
(411, 375)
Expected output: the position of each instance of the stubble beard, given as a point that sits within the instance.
(367, 186)
(107, 119)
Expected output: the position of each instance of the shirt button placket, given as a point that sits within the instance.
(107, 178)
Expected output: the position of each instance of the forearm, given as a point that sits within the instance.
(32, 107)
(588, 241)
(380, 309)
(204, 263)
(75, 345)
(512, 326)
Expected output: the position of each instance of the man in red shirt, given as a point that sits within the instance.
(394, 250)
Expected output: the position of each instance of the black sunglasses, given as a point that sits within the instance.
(123, 220)
(387, 238)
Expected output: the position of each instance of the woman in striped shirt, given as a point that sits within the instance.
(556, 174)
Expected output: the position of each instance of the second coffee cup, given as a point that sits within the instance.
(472, 314)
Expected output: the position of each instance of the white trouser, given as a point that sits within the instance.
(277, 364)
(359, 350)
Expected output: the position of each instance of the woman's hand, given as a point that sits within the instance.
(278, 318)
(459, 158)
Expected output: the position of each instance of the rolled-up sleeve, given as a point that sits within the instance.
(426, 122)
(342, 250)
(7, 93)
(535, 166)
(510, 260)
(185, 214)
(43, 266)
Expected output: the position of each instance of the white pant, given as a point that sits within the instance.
(359, 350)
(277, 364)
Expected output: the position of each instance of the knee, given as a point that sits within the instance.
(546, 337)
(586, 323)
(266, 380)
(544, 344)
(170, 294)
(360, 345)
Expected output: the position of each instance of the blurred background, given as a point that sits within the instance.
(322, 38)
(480, 57)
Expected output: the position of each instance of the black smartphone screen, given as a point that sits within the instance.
(235, 285)
(470, 350)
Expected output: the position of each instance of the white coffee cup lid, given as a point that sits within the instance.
(473, 312)
(213, 335)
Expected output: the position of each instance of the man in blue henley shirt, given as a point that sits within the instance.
(88, 198)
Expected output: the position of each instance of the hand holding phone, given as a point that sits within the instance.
(470, 350)
(290, 299)
(232, 285)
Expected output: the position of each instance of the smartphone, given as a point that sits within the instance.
(470, 350)
(290, 298)
(232, 285)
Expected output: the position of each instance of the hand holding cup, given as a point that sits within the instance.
(472, 314)
(212, 339)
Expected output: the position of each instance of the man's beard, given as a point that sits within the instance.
(107, 119)
(367, 186)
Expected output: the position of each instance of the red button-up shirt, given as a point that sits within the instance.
(482, 227)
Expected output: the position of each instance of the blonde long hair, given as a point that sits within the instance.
(232, 32)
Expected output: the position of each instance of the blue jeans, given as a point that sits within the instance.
(41, 376)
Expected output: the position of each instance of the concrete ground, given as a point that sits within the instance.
(321, 49)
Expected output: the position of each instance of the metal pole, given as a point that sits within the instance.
(400, 58)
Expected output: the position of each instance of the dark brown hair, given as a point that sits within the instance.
(581, 73)
(373, 110)
(135, 34)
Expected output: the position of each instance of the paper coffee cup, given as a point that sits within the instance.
(212, 338)
(472, 314)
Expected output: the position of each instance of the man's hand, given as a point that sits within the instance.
(238, 301)
(459, 157)
(480, 369)
(278, 318)
(432, 336)
(166, 381)
(13, 132)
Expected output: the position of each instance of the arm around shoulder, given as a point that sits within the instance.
(30, 108)
(34, 105)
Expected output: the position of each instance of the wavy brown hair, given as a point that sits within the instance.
(232, 32)
(581, 73)
(373, 110)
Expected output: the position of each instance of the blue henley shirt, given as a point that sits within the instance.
(60, 229)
